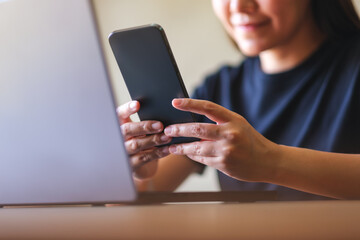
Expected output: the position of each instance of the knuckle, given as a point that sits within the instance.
(223, 161)
(133, 144)
(135, 161)
(145, 157)
(213, 151)
(217, 131)
(180, 149)
(220, 162)
(201, 159)
(208, 107)
(157, 139)
(175, 131)
(227, 151)
(197, 130)
(159, 153)
(146, 126)
(125, 129)
(197, 149)
(232, 135)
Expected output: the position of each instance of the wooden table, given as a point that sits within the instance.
(265, 220)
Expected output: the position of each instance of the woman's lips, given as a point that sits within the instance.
(250, 26)
(238, 22)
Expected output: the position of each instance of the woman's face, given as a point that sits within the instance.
(259, 25)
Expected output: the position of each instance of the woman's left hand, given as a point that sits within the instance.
(231, 145)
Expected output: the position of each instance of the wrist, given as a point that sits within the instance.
(143, 185)
(274, 159)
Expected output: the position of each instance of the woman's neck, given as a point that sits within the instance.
(290, 54)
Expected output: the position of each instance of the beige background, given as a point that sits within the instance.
(197, 39)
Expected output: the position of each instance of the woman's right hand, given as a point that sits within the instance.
(141, 139)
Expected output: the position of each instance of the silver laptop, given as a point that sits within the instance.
(60, 141)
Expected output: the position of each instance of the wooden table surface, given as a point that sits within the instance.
(262, 220)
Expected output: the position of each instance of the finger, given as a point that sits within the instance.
(136, 145)
(144, 157)
(206, 131)
(209, 161)
(134, 129)
(211, 110)
(204, 148)
(124, 111)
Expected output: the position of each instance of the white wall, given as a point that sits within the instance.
(198, 42)
(357, 5)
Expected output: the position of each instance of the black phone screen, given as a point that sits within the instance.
(151, 75)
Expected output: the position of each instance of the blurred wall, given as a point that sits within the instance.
(197, 40)
(357, 5)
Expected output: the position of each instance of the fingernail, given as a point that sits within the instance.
(164, 138)
(172, 149)
(168, 130)
(156, 126)
(133, 105)
(177, 101)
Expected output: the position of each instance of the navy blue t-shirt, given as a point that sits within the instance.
(315, 105)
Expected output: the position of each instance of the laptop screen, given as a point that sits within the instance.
(60, 140)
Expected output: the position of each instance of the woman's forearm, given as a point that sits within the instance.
(330, 174)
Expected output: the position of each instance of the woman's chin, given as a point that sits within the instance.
(251, 49)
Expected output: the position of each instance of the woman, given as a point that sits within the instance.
(287, 118)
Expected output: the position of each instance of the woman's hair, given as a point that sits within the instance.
(336, 18)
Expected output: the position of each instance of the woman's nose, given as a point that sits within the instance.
(243, 6)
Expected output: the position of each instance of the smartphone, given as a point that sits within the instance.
(151, 75)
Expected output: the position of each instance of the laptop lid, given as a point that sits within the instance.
(60, 140)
